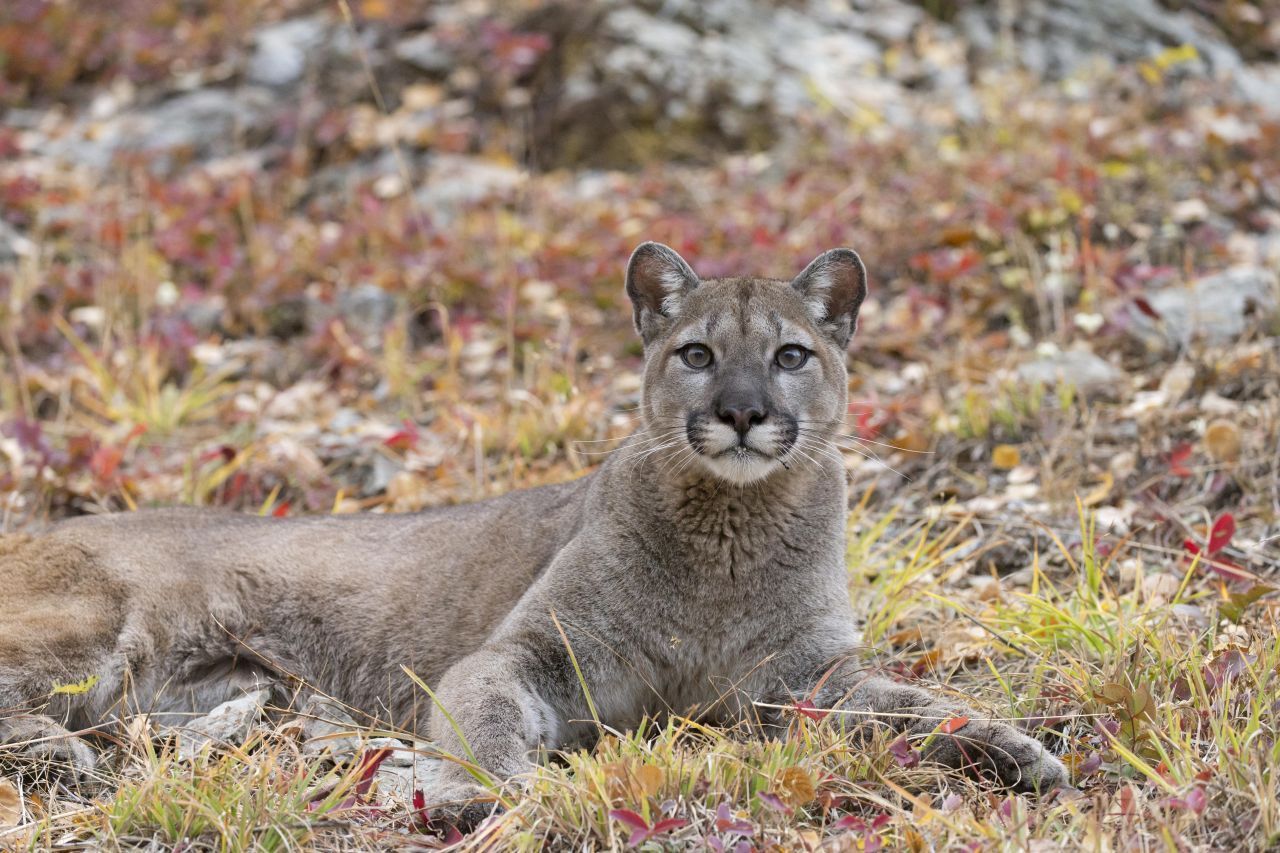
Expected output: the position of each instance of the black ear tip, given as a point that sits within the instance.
(844, 255)
(649, 247)
(848, 257)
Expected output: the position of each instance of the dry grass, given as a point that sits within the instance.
(1170, 729)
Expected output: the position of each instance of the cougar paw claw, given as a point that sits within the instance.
(37, 739)
(460, 808)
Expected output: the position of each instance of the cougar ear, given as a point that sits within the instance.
(833, 287)
(658, 280)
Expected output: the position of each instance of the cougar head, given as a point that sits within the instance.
(744, 375)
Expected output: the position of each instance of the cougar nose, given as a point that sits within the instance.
(741, 418)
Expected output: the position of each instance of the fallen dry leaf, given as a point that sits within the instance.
(10, 804)
(795, 785)
(631, 781)
(1005, 457)
(1222, 441)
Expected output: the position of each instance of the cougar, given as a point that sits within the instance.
(700, 570)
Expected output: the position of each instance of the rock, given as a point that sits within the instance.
(366, 309)
(453, 181)
(1216, 309)
(1189, 210)
(229, 723)
(1055, 38)
(1260, 85)
(731, 69)
(379, 474)
(328, 729)
(397, 780)
(1089, 374)
(206, 120)
(346, 420)
(203, 123)
(13, 246)
(204, 314)
(425, 52)
(281, 50)
(401, 753)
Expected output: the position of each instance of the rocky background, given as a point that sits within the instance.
(367, 255)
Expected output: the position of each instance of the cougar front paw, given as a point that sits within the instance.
(1000, 752)
(461, 807)
(33, 738)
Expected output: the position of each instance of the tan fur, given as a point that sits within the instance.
(700, 568)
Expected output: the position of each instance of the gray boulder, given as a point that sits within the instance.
(1087, 373)
(13, 245)
(229, 723)
(281, 51)
(202, 123)
(1216, 309)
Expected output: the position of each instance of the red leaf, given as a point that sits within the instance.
(105, 461)
(810, 710)
(239, 483)
(1227, 666)
(727, 822)
(775, 802)
(224, 452)
(667, 825)
(953, 725)
(369, 764)
(1223, 529)
(1195, 801)
(404, 439)
(420, 813)
(630, 818)
(1177, 457)
(903, 753)
(1146, 307)
(867, 427)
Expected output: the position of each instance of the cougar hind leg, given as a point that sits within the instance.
(60, 622)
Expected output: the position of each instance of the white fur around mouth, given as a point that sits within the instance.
(741, 451)
(740, 464)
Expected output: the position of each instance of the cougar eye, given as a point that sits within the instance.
(791, 357)
(696, 356)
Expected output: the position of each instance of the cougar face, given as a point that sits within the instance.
(748, 373)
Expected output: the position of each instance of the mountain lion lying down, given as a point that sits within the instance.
(701, 567)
